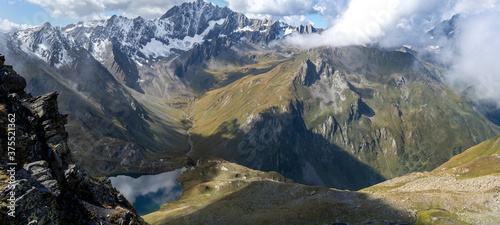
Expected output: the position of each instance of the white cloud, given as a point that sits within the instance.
(367, 21)
(292, 12)
(330, 9)
(81, 9)
(474, 7)
(95, 9)
(148, 9)
(273, 7)
(296, 20)
(387, 22)
(478, 51)
(472, 55)
(7, 26)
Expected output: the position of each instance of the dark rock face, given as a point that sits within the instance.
(308, 74)
(308, 29)
(48, 186)
(11, 81)
(190, 19)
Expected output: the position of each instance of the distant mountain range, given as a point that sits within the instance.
(145, 96)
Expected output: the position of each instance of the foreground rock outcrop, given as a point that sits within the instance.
(39, 181)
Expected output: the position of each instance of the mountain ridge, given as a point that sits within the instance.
(256, 101)
(334, 98)
(222, 192)
(77, 58)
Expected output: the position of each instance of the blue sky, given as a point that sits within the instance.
(14, 13)
(22, 12)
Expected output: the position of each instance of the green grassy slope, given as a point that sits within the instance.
(293, 113)
(216, 191)
(480, 160)
(463, 190)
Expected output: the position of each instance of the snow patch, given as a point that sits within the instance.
(99, 50)
(433, 48)
(64, 59)
(89, 24)
(156, 48)
(124, 24)
(40, 43)
(247, 28)
(137, 62)
(42, 52)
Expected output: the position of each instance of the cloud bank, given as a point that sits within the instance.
(478, 50)
(389, 23)
(96, 9)
(365, 21)
(471, 54)
(7, 26)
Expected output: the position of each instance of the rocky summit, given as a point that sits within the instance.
(40, 181)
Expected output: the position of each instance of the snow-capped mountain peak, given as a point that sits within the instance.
(178, 30)
(48, 43)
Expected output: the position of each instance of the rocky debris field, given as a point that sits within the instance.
(471, 200)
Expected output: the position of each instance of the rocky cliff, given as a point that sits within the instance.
(346, 117)
(40, 182)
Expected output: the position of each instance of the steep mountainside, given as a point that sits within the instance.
(479, 160)
(204, 80)
(103, 114)
(465, 190)
(143, 53)
(124, 81)
(331, 115)
(39, 180)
